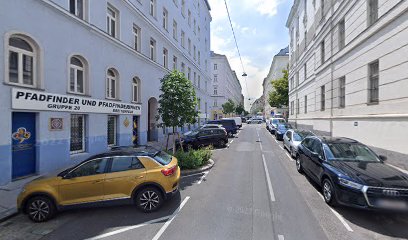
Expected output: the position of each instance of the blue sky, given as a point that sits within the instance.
(261, 32)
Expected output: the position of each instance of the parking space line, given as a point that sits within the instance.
(290, 158)
(174, 215)
(231, 141)
(338, 215)
(109, 234)
(281, 237)
(202, 177)
(268, 180)
(191, 175)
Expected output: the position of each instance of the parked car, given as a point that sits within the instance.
(273, 124)
(243, 119)
(351, 174)
(143, 176)
(281, 130)
(229, 125)
(293, 138)
(278, 115)
(211, 126)
(204, 137)
(238, 121)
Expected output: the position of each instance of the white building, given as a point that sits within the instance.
(348, 76)
(225, 84)
(81, 76)
(279, 63)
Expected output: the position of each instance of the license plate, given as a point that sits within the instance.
(391, 204)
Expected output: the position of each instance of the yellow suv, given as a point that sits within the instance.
(139, 175)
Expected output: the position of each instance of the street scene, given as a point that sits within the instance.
(204, 119)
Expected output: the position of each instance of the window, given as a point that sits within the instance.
(77, 138)
(292, 108)
(189, 18)
(195, 79)
(322, 98)
(194, 52)
(174, 63)
(112, 130)
(165, 58)
(183, 39)
(77, 8)
(322, 7)
(199, 57)
(297, 106)
(342, 34)
(152, 49)
(342, 92)
(373, 84)
(189, 46)
(165, 19)
(199, 32)
(215, 77)
(94, 167)
(215, 90)
(112, 19)
(206, 86)
(120, 164)
(199, 82)
(22, 62)
(372, 11)
(174, 29)
(304, 72)
(215, 66)
(189, 73)
(305, 103)
(76, 75)
(194, 26)
(137, 37)
(183, 7)
(152, 8)
(322, 52)
(136, 89)
(297, 79)
(183, 67)
(111, 84)
(215, 103)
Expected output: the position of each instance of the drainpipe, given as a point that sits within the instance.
(331, 70)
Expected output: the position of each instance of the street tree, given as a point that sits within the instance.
(279, 96)
(177, 103)
(239, 109)
(228, 107)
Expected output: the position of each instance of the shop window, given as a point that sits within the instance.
(77, 140)
(112, 130)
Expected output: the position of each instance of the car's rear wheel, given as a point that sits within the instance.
(221, 143)
(328, 192)
(149, 199)
(299, 166)
(40, 209)
(292, 154)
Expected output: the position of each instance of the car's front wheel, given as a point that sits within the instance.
(328, 192)
(149, 199)
(222, 143)
(40, 209)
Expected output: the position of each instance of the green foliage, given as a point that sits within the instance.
(178, 101)
(193, 159)
(228, 107)
(239, 109)
(279, 96)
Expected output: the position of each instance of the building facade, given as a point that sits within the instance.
(279, 63)
(257, 107)
(81, 76)
(225, 85)
(348, 71)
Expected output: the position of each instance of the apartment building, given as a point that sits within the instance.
(81, 76)
(225, 85)
(279, 63)
(348, 73)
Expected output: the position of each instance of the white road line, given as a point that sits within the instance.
(338, 215)
(290, 158)
(281, 147)
(109, 234)
(276, 141)
(281, 237)
(268, 180)
(166, 225)
(191, 175)
(260, 144)
(202, 177)
(231, 141)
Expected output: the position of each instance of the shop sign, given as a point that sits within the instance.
(41, 101)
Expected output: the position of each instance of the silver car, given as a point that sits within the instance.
(293, 138)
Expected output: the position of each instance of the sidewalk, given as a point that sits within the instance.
(8, 196)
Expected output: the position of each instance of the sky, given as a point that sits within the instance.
(260, 28)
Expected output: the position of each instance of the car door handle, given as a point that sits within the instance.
(139, 177)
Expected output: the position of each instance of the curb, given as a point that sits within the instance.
(207, 167)
(9, 213)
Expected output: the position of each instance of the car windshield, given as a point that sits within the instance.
(162, 157)
(349, 152)
(191, 133)
(299, 136)
(276, 121)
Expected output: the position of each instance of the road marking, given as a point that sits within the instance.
(290, 158)
(281, 147)
(191, 175)
(202, 177)
(268, 180)
(231, 141)
(338, 215)
(109, 234)
(260, 144)
(281, 237)
(276, 141)
(174, 215)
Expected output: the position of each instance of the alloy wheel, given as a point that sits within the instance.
(149, 200)
(39, 210)
(327, 191)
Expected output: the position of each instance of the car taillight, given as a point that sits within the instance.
(169, 171)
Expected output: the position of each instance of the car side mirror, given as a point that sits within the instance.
(68, 176)
(383, 158)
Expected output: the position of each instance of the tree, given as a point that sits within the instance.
(279, 96)
(239, 109)
(228, 107)
(177, 102)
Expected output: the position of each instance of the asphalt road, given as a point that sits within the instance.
(253, 192)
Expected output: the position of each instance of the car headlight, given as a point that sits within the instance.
(350, 184)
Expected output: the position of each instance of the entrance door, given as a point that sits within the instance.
(135, 136)
(23, 140)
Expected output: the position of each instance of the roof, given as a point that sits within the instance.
(327, 139)
(128, 150)
(283, 52)
(208, 5)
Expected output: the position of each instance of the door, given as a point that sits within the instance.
(85, 183)
(305, 157)
(125, 174)
(204, 138)
(135, 135)
(23, 144)
(316, 159)
(287, 139)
